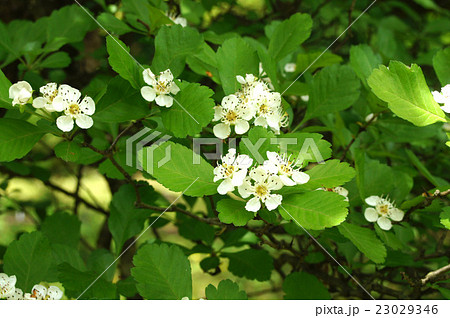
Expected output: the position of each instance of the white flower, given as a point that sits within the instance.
(285, 169)
(370, 118)
(75, 108)
(383, 212)
(269, 111)
(232, 171)
(18, 295)
(339, 190)
(290, 67)
(160, 87)
(231, 113)
(443, 98)
(39, 292)
(305, 98)
(177, 19)
(51, 100)
(260, 183)
(20, 92)
(7, 285)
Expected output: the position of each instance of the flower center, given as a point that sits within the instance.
(161, 87)
(286, 169)
(231, 116)
(261, 191)
(74, 109)
(52, 96)
(263, 109)
(229, 169)
(383, 209)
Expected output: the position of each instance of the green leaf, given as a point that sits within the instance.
(251, 264)
(333, 89)
(77, 283)
(445, 217)
(112, 24)
(301, 285)
(63, 253)
(125, 221)
(331, 174)
(195, 230)
(191, 111)
(305, 60)
(68, 151)
(315, 210)
(235, 57)
(389, 238)
(364, 61)
(365, 240)
(162, 272)
(62, 228)
(56, 60)
(441, 64)
(30, 259)
(121, 103)
(67, 25)
(17, 138)
(100, 261)
(289, 34)
(172, 45)
(233, 212)
(123, 63)
(259, 141)
(226, 290)
(374, 178)
(406, 92)
(127, 287)
(5, 84)
(307, 147)
(179, 169)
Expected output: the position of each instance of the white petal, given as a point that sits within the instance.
(225, 186)
(87, 105)
(69, 94)
(371, 214)
(290, 67)
(300, 177)
(58, 104)
(446, 90)
(39, 102)
(166, 76)
(54, 293)
(274, 183)
(65, 123)
(84, 121)
(270, 166)
(396, 214)
(149, 77)
(164, 100)
(174, 89)
(243, 162)
(384, 223)
(148, 93)
(438, 97)
(230, 157)
(253, 205)
(239, 177)
(230, 102)
(261, 121)
(217, 113)
(372, 200)
(48, 89)
(241, 126)
(222, 131)
(39, 291)
(259, 174)
(240, 79)
(446, 107)
(245, 190)
(273, 201)
(287, 181)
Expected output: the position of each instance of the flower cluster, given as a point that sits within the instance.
(259, 181)
(443, 98)
(160, 88)
(383, 212)
(64, 99)
(254, 100)
(9, 291)
(339, 190)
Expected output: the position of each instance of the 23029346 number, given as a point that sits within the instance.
(406, 309)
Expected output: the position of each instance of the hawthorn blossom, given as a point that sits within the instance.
(7, 285)
(177, 19)
(21, 93)
(160, 87)
(232, 171)
(269, 111)
(51, 99)
(443, 97)
(40, 292)
(339, 190)
(383, 212)
(259, 184)
(290, 67)
(75, 109)
(231, 113)
(304, 98)
(282, 166)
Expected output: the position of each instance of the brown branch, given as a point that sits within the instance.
(435, 275)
